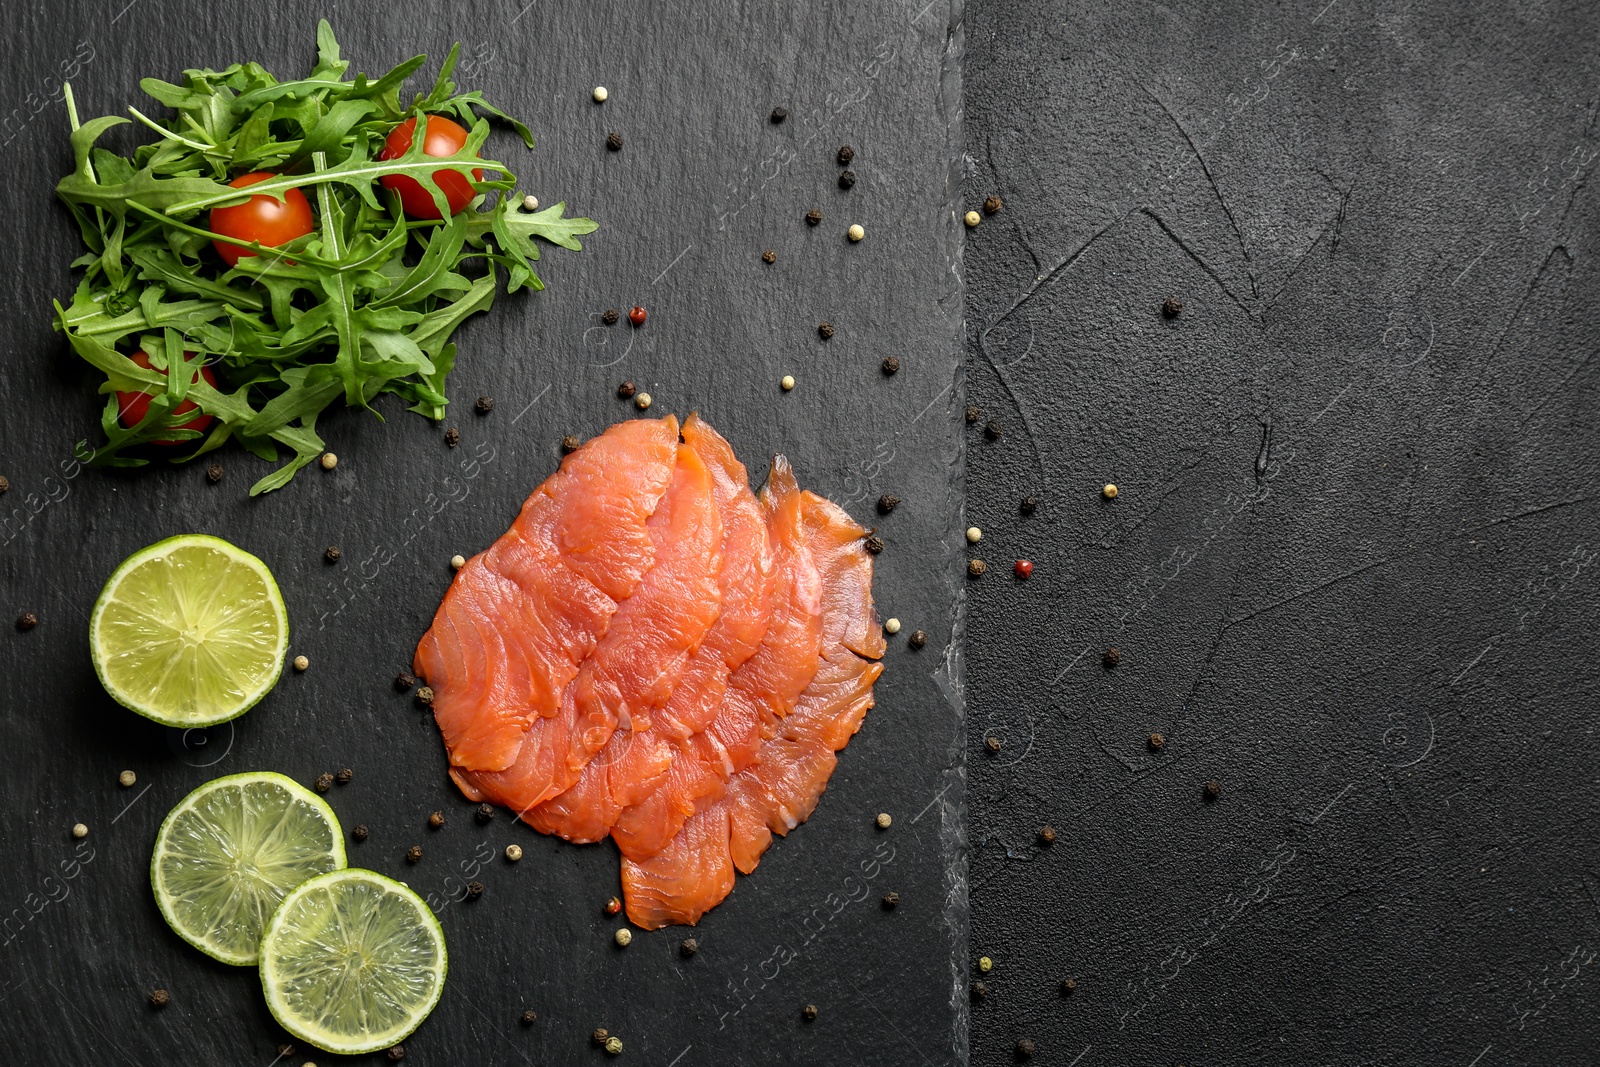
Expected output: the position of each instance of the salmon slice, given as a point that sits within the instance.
(520, 619)
(685, 880)
(639, 663)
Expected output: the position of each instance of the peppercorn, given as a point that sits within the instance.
(847, 179)
(779, 114)
(972, 219)
(569, 444)
(513, 853)
(993, 431)
(813, 217)
(484, 813)
(1156, 741)
(530, 203)
(614, 1045)
(892, 627)
(474, 890)
(985, 964)
(976, 567)
(436, 820)
(126, 779)
(614, 141)
(846, 154)
(457, 562)
(5, 484)
(688, 947)
(214, 473)
(324, 782)
(329, 461)
(809, 1012)
(825, 331)
(27, 621)
(404, 681)
(1028, 504)
(332, 554)
(992, 204)
(610, 316)
(1213, 790)
(973, 414)
(1025, 1049)
(992, 743)
(1023, 569)
(856, 232)
(160, 998)
(600, 94)
(79, 830)
(613, 906)
(1047, 835)
(1068, 986)
(360, 832)
(769, 256)
(1112, 657)
(873, 544)
(396, 1053)
(637, 315)
(484, 405)
(599, 1035)
(786, 383)
(884, 820)
(285, 1049)
(974, 534)
(301, 663)
(891, 365)
(891, 900)
(414, 854)
(452, 437)
(887, 503)
(1109, 492)
(980, 989)
(530, 1017)
(623, 937)
(425, 695)
(917, 639)
(627, 389)
(643, 401)
(344, 776)
(1172, 307)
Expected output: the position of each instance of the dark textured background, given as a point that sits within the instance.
(1354, 570)
(702, 186)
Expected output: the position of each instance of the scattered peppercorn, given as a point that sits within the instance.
(891, 365)
(613, 906)
(27, 621)
(1213, 790)
(884, 820)
(892, 627)
(627, 389)
(813, 217)
(324, 782)
(973, 414)
(425, 695)
(643, 401)
(994, 431)
(1068, 986)
(530, 203)
(610, 316)
(600, 94)
(484, 405)
(404, 681)
(1025, 1049)
(688, 947)
(360, 832)
(599, 1035)
(436, 820)
(992, 743)
(126, 779)
(452, 437)
(457, 562)
(1028, 505)
(79, 830)
(786, 383)
(530, 1017)
(917, 639)
(5, 484)
(614, 1045)
(992, 204)
(1112, 657)
(769, 256)
(1109, 492)
(484, 813)
(329, 461)
(285, 1049)
(873, 544)
(846, 154)
(614, 141)
(569, 444)
(301, 663)
(980, 989)
(779, 114)
(637, 315)
(891, 900)
(985, 964)
(974, 535)
(1172, 307)
(971, 218)
(887, 503)
(623, 937)
(825, 331)
(1023, 569)
(847, 178)
(214, 473)
(344, 776)
(414, 854)
(474, 890)
(856, 231)
(809, 1012)
(332, 554)
(976, 567)
(160, 998)
(1047, 835)
(513, 853)
(397, 1053)
(1156, 741)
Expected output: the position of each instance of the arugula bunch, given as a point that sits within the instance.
(363, 305)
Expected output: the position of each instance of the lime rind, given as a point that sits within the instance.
(352, 962)
(229, 653)
(206, 835)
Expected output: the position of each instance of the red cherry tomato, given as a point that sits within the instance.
(261, 218)
(133, 407)
(445, 138)
(637, 315)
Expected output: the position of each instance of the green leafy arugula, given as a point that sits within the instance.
(364, 305)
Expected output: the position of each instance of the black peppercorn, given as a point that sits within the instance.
(846, 154)
(980, 989)
(425, 695)
(847, 178)
(396, 1053)
(917, 639)
(484, 813)
(5, 483)
(474, 890)
(569, 444)
(324, 782)
(813, 217)
(452, 437)
(160, 998)
(610, 316)
(414, 854)
(627, 389)
(887, 503)
(992, 204)
(1028, 505)
(891, 900)
(769, 256)
(614, 141)
(873, 544)
(214, 472)
(976, 567)
(27, 621)
(285, 1049)
(404, 681)
(688, 946)
(825, 331)
(891, 365)
(436, 820)
(360, 832)
(484, 405)
(992, 743)
(530, 1017)
(332, 554)
(809, 1012)
(973, 414)
(1156, 741)
(345, 776)
(1068, 985)
(1025, 1049)
(1047, 835)
(1112, 657)
(779, 114)
(1213, 790)
(1172, 307)
(993, 431)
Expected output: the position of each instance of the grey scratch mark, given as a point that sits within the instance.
(1068, 667)
(131, 803)
(1244, 249)
(674, 263)
(1475, 661)
(1527, 294)
(1541, 509)
(1335, 580)
(123, 12)
(1263, 456)
(1177, 482)
(1559, 389)
(1480, 1056)
(874, 1005)
(69, 1003)
(1052, 274)
(1157, 769)
(1080, 1056)
(1323, 12)
(1022, 234)
(929, 408)
(924, 11)
(682, 1054)
(496, 1031)
(1330, 227)
(64, 596)
(1201, 263)
(1332, 402)
(1338, 222)
(1329, 805)
(532, 402)
(1474, 263)
(524, 11)
(923, 812)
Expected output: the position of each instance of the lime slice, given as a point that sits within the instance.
(189, 632)
(229, 853)
(352, 962)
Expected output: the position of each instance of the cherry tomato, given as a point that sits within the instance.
(133, 407)
(261, 218)
(445, 138)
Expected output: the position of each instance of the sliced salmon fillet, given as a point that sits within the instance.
(520, 619)
(684, 881)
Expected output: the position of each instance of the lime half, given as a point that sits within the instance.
(229, 853)
(189, 632)
(352, 962)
